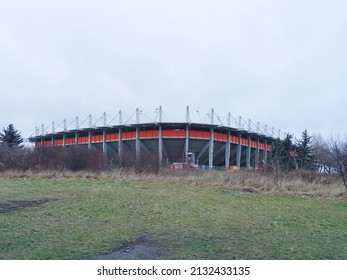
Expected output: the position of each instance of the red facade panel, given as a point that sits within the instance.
(244, 141)
(254, 144)
(82, 140)
(129, 135)
(149, 134)
(220, 136)
(58, 142)
(112, 137)
(199, 134)
(96, 138)
(234, 139)
(70, 141)
(177, 133)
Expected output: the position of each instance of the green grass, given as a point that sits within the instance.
(86, 217)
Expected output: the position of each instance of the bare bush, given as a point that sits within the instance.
(72, 158)
(14, 157)
(338, 151)
(147, 162)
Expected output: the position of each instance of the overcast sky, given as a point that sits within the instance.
(282, 63)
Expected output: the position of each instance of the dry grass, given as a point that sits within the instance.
(309, 184)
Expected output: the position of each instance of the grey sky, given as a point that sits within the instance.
(282, 63)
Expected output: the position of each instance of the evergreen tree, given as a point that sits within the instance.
(11, 137)
(305, 153)
(281, 154)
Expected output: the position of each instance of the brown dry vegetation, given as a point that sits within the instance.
(311, 184)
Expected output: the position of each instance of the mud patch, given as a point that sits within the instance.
(20, 204)
(140, 249)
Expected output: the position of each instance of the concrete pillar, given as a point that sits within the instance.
(120, 121)
(265, 130)
(187, 115)
(160, 144)
(137, 141)
(137, 144)
(265, 152)
(227, 153)
(76, 138)
(52, 140)
(64, 124)
(120, 146)
(64, 139)
(257, 153)
(248, 153)
(104, 144)
(120, 143)
(137, 115)
(89, 139)
(210, 150)
(186, 150)
(160, 114)
(53, 127)
(160, 138)
(238, 152)
(104, 118)
(90, 120)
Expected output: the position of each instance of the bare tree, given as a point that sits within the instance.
(338, 152)
(322, 153)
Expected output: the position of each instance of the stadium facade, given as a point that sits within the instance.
(207, 145)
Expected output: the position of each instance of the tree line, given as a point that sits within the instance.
(287, 156)
(308, 154)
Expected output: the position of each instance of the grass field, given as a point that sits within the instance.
(75, 218)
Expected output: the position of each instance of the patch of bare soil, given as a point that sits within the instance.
(20, 204)
(140, 249)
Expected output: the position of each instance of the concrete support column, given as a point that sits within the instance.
(64, 140)
(160, 145)
(210, 150)
(52, 140)
(76, 138)
(265, 152)
(238, 152)
(186, 146)
(104, 144)
(257, 153)
(186, 150)
(248, 154)
(160, 138)
(120, 147)
(227, 153)
(90, 121)
(104, 119)
(137, 144)
(137, 141)
(89, 139)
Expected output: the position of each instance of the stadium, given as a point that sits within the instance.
(203, 145)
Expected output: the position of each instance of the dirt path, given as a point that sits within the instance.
(141, 249)
(16, 205)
